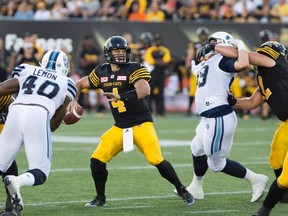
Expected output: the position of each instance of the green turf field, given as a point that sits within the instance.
(136, 188)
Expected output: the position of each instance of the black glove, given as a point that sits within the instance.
(231, 99)
(3, 117)
(207, 48)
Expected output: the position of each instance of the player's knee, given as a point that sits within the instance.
(283, 181)
(98, 168)
(39, 176)
(154, 160)
(216, 164)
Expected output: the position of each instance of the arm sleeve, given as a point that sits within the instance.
(227, 65)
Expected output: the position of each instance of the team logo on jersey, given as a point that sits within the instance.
(112, 76)
(104, 79)
(122, 78)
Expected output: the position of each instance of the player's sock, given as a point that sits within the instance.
(274, 195)
(234, 168)
(167, 171)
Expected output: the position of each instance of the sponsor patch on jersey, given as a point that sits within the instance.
(122, 78)
(104, 79)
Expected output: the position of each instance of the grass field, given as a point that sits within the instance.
(136, 188)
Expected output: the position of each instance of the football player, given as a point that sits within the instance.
(43, 95)
(214, 134)
(271, 61)
(5, 101)
(125, 84)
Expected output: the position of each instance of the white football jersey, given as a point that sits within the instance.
(212, 85)
(42, 87)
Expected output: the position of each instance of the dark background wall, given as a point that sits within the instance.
(176, 36)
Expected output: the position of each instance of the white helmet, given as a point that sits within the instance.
(222, 38)
(56, 61)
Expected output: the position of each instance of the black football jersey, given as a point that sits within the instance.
(273, 83)
(126, 113)
(4, 100)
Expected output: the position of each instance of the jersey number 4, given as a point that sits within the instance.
(48, 89)
(118, 104)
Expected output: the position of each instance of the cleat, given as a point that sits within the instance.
(195, 190)
(262, 212)
(186, 196)
(258, 184)
(10, 213)
(97, 202)
(13, 188)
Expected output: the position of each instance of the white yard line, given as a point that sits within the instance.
(163, 142)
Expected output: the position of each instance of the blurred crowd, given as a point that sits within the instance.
(148, 10)
(171, 74)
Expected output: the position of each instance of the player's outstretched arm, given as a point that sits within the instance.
(249, 103)
(59, 115)
(9, 87)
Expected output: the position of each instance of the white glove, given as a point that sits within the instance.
(239, 44)
(196, 68)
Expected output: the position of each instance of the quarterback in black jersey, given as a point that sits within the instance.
(125, 84)
(271, 62)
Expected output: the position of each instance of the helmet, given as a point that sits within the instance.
(265, 35)
(56, 61)
(202, 31)
(147, 39)
(222, 38)
(268, 48)
(116, 42)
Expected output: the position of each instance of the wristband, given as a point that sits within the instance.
(241, 46)
(129, 95)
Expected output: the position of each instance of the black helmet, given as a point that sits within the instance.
(202, 31)
(272, 49)
(147, 39)
(265, 35)
(116, 42)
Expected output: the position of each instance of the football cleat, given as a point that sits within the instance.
(97, 202)
(258, 183)
(10, 213)
(10, 182)
(186, 196)
(262, 212)
(195, 190)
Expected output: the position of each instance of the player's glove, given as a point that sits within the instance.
(196, 68)
(206, 49)
(231, 99)
(3, 117)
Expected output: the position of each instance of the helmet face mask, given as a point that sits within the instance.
(221, 38)
(56, 61)
(117, 50)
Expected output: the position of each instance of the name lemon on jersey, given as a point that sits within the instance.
(43, 73)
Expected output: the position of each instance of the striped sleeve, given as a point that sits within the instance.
(17, 70)
(268, 51)
(4, 100)
(94, 79)
(71, 89)
(141, 73)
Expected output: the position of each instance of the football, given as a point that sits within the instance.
(73, 117)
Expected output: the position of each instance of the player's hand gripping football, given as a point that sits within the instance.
(196, 68)
(72, 105)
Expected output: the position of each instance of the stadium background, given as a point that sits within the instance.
(176, 36)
